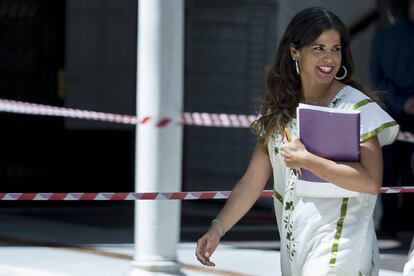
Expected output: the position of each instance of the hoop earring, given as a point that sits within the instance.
(344, 75)
(297, 66)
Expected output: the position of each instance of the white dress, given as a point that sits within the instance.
(329, 236)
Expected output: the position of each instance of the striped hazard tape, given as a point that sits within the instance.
(151, 196)
(187, 118)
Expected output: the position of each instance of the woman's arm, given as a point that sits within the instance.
(248, 189)
(364, 176)
(245, 193)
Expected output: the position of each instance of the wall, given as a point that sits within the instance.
(101, 59)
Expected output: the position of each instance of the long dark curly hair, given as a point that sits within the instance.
(283, 92)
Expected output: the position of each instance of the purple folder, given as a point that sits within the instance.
(330, 133)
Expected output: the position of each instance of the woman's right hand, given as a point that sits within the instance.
(207, 244)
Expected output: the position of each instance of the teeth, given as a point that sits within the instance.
(326, 69)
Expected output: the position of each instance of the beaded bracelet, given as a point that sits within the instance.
(221, 225)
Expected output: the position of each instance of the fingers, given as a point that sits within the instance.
(289, 162)
(203, 256)
(207, 255)
(200, 248)
(204, 250)
(286, 156)
(209, 251)
(294, 140)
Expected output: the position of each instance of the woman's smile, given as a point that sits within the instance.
(319, 61)
(325, 71)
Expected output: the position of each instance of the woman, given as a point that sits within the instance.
(319, 236)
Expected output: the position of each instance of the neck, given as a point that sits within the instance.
(317, 93)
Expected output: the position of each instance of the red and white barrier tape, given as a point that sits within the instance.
(217, 120)
(187, 118)
(150, 196)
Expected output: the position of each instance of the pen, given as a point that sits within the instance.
(287, 137)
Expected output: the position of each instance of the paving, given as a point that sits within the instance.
(45, 242)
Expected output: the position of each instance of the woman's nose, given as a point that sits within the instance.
(328, 57)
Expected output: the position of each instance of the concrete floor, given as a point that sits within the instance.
(58, 241)
(115, 260)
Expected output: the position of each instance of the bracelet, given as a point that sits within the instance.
(221, 225)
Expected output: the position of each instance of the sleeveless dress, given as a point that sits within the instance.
(329, 236)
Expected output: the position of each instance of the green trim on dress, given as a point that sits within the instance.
(277, 196)
(374, 132)
(339, 226)
(362, 103)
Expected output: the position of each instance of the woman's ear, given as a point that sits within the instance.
(293, 52)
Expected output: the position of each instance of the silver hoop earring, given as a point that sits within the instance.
(297, 67)
(344, 75)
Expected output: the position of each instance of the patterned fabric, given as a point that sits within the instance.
(328, 236)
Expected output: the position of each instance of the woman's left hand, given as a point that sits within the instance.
(294, 154)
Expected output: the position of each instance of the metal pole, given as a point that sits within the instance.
(158, 150)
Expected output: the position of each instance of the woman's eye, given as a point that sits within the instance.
(336, 49)
(318, 49)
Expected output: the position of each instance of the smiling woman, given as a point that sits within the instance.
(322, 57)
(319, 236)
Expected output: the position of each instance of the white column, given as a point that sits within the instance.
(158, 150)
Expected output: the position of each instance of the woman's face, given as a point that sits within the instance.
(320, 61)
